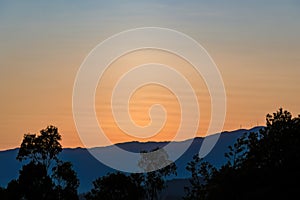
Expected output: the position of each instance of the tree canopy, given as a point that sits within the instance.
(115, 186)
(36, 181)
(263, 165)
(43, 148)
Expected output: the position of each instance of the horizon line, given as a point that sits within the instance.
(82, 147)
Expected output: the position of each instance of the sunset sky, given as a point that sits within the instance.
(255, 44)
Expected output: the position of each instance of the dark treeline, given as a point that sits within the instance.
(262, 165)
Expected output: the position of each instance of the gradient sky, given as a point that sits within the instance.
(255, 44)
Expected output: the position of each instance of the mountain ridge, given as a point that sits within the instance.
(88, 168)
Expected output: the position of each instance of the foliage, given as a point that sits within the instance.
(201, 173)
(237, 153)
(43, 148)
(66, 180)
(155, 159)
(157, 166)
(36, 181)
(13, 191)
(262, 165)
(145, 185)
(115, 186)
(3, 193)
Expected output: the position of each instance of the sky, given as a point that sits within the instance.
(255, 44)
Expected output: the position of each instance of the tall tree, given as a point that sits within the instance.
(35, 183)
(43, 148)
(36, 179)
(66, 181)
(262, 165)
(237, 153)
(157, 166)
(201, 173)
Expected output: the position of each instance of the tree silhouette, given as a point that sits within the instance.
(263, 165)
(43, 148)
(36, 181)
(138, 180)
(13, 191)
(145, 185)
(66, 180)
(201, 172)
(237, 153)
(157, 160)
(279, 142)
(3, 193)
(116, 186)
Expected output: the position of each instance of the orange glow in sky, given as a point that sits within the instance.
(149, 95)
(255, 46)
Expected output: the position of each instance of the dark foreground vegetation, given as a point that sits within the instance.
(43, 176)
(261, 165)
(264, 165)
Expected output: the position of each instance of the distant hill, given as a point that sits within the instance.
(88, 168)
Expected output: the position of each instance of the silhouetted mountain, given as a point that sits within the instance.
(88, 168)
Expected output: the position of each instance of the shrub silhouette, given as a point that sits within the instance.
(115, 186)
